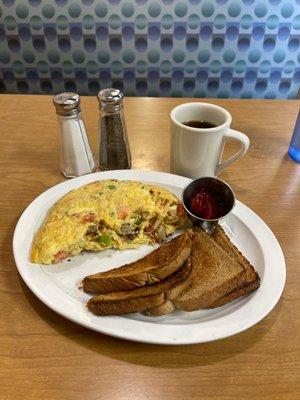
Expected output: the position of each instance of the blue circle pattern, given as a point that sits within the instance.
(221, 48)
(179, 32)
(39, 45)
(272, 22)
(154, 33)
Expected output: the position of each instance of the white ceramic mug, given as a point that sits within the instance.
(197, 152)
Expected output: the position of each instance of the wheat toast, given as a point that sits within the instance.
(249, 283)
(140, 299)
(252, 279)
(152, 268)
(247, 288)
(214, 274)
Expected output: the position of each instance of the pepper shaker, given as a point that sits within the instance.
(76, 158)
(114, 152)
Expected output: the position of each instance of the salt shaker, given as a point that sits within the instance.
(114, 152)
(76, 158)
(294, 149)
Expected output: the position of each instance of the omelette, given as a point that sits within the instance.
(107, 214)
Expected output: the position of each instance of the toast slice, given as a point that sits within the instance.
(252, 279)
(214, 274)
(248, 284)
(223, 240)
(141, 299)
(154, 267)
(119, 307)
(168, 306)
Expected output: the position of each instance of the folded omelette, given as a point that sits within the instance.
(107, 214)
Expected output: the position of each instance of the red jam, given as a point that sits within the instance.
(206, 204)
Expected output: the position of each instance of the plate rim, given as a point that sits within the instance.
(112, 328)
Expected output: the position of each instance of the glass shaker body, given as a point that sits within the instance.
(76, 158)
(114, 151)
(294, 149)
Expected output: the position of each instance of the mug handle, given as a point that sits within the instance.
(242, 139)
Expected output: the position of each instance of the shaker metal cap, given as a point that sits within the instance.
(110, 100)
(67, 103)
(110, 96)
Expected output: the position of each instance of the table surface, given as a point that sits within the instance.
(44, 356)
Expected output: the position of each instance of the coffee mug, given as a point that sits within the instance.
(197, 151)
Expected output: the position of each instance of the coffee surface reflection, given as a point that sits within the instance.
(199, 124)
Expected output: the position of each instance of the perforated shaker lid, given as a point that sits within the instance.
(110, 99)
(67, 103)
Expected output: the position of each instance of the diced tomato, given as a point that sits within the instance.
(90, 217)
(122, 212)
(180, 210)
(60, 255)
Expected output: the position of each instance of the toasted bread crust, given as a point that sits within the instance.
(247, 288)
(166, 286)
(136, 300)
(181, 283)
(166, 308)
(125, 306)
(223, 240)
(152, 268)
(252, 279)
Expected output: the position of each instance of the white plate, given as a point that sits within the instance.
(58, 285)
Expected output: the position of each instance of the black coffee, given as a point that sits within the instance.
(199, 124)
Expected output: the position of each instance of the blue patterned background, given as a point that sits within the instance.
(195, 48)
